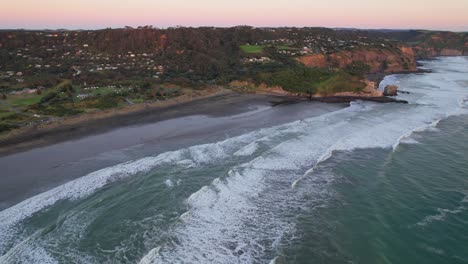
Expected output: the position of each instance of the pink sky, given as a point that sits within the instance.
(424, 14)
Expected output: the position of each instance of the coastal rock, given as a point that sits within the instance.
(391, 90)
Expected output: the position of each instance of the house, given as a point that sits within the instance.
(82, 96)
(24, 91)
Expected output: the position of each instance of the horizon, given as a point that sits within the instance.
(208, 26)
(355, 14)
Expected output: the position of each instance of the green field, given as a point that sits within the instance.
(102, 91)
(252, 48)
(284, 47)
(24, 100)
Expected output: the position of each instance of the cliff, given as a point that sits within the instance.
(427, 44)
(378, 59)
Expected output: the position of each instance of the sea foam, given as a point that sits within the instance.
(244, 216)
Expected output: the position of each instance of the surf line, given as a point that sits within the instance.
(325, 156)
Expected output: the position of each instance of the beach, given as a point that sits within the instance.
(255, 182)
(62, 153)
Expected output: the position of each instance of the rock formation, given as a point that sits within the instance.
(391, 90)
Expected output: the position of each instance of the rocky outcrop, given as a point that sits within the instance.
(391, 90)
(387, 60)
(347, 99)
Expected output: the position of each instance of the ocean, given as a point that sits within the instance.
(370, 183)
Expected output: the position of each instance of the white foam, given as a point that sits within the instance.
(29, 254)
(409, 141)
(80, 188)
(237, 217)
(328, 154)
(187, 163)
(169, 183)
(148, 258)
(415, 130)
(86, 185)
(233, 211)
(247, 150)
(440, 216)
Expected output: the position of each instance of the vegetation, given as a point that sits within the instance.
(45, 74)
(312, 81)
(24, 100)
(357, 68)
(252, 48)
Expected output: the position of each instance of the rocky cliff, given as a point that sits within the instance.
(429, 44)
(379, 59)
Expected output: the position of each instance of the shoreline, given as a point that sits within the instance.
(210, 103)
(75, 127)
(87, 149)
(56, 131)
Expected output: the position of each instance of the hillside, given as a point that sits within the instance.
(45, 75)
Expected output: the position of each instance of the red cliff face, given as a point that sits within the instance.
(314, 60)
(451, 52)
(379, 59)
(425, 52)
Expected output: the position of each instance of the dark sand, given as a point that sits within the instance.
(72, 152)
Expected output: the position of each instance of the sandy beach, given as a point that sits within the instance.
(59, 154)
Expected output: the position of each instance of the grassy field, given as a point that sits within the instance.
(101, 91)
(23, 100)
(252, 48)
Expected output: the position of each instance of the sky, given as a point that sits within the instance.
(95, 14)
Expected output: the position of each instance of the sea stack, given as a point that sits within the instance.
(391, 90)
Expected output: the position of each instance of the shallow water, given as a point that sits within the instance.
(371, 183)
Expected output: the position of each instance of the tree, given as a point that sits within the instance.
(357, 68)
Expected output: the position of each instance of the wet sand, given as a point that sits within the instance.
(81, 150)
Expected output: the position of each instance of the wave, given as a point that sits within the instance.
(245, 215)
(440, 216)
(200, 155)
(443, 213)
(231, 221)
(415, 130)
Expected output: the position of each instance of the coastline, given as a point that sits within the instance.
(66, 155)
(213, 102)
(56, 131)
(59, 130)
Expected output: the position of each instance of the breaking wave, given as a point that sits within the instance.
(247, 213)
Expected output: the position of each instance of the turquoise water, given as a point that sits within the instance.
(371, 183)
